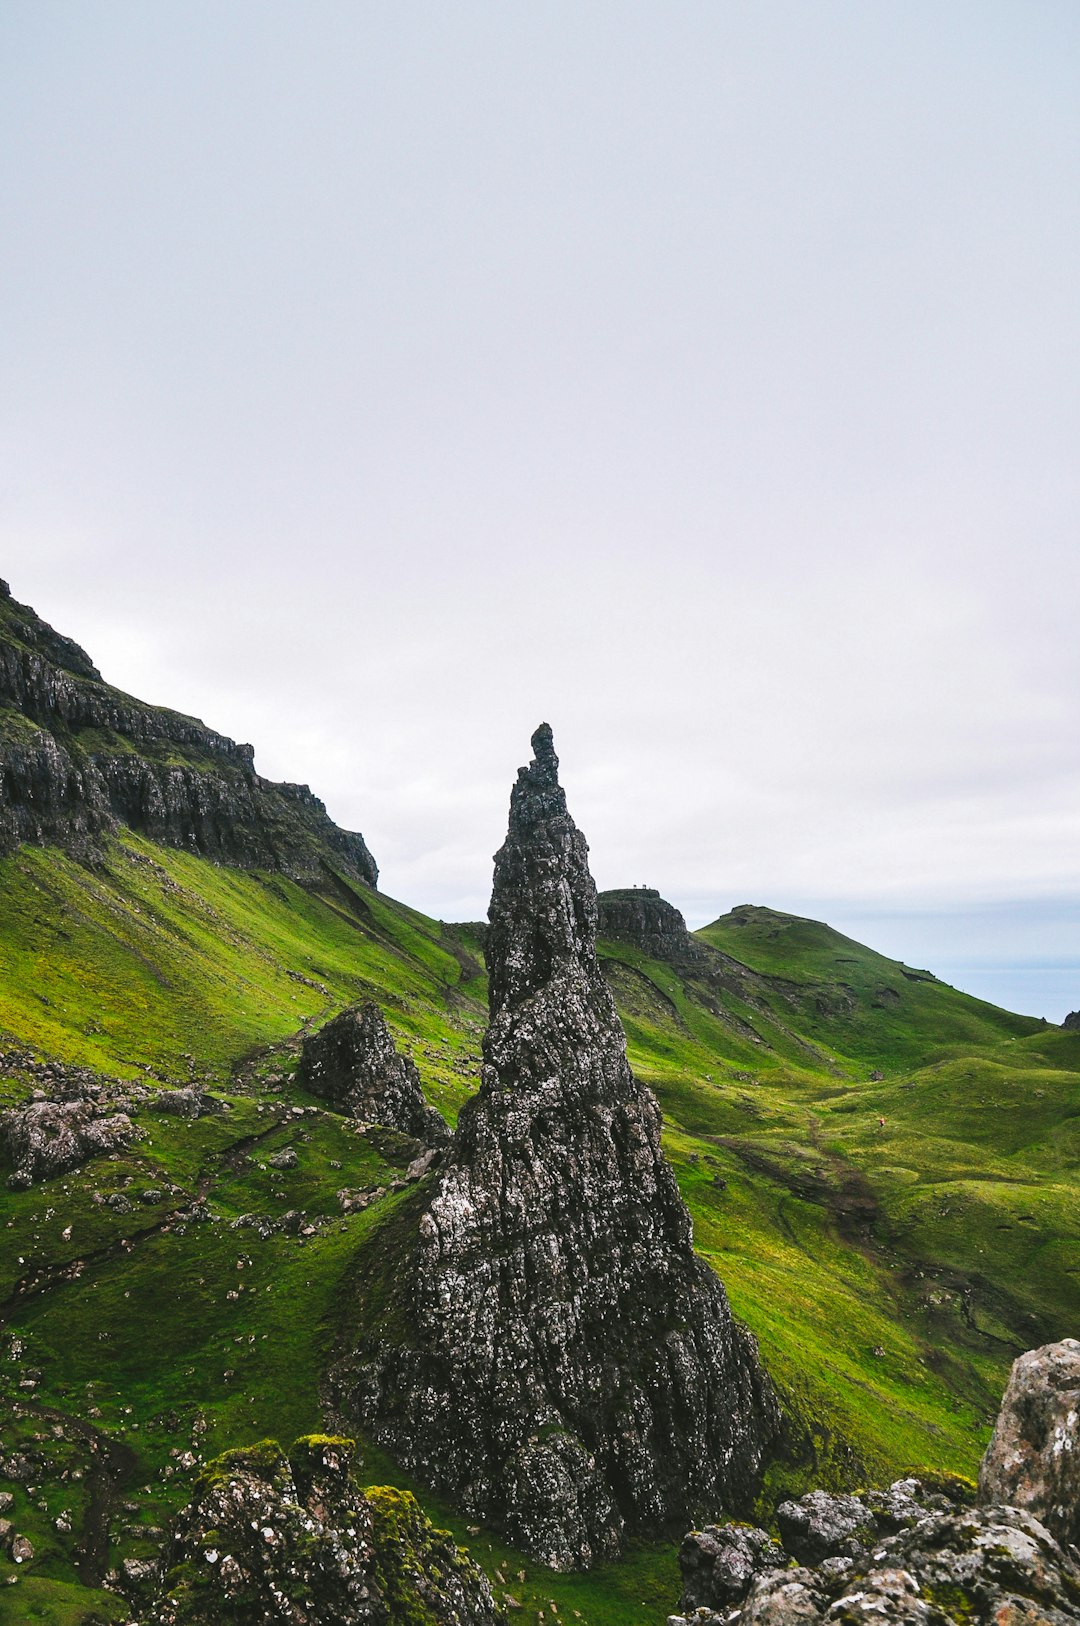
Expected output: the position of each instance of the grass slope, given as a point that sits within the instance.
(890, 1272)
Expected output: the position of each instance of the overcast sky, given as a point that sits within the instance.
(380, 379)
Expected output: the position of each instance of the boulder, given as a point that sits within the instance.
(48, 1138)
(823, 1525)
(720, 1563)
(1033, 1459)
(353, 1063)
(993, 1566)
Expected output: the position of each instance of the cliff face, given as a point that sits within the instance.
(571, 1370)
(78, 758)
(639, 915)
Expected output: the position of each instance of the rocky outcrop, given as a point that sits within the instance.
(918, 1558)
(720, 1563)
(557, 1357)
(1033, 1459)
(353, 1063)
(641, 917)
(293, 1539)
(78, 759)
(48, 1138)
(1072, 1021)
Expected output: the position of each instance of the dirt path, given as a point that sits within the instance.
(112, 1467)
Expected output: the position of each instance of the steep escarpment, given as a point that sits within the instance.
(78, 759)
(559, 1359)
(640, 916)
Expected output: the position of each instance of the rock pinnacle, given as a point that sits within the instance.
(572, 1371)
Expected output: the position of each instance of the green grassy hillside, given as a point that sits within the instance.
(187, 1294)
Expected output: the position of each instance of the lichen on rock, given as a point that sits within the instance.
(561, 1361)
(47, 1138)
(922, 1560)
(1033, 1459)
(270, 1537)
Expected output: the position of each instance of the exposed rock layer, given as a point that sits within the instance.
(353, 1063)
(1033, 1459)
(271, 1538)
(640, 916)
(561, 1361)
(78, 758)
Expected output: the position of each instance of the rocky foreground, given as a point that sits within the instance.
(916, 1554)
(294, 1539)
(571, 1371)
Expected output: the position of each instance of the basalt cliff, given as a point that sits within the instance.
(79, 759)
(554, 1355)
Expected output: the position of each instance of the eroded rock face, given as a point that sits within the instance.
(353, 1063)
(1033, 1459)
(574, 1371)
(78, 758)
(993, 1566)
(275, 1538)
(639, 915)
(48, 1138)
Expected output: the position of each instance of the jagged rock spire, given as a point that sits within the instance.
(570, 1369)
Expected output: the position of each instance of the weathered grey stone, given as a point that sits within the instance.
(572, 1369)
(993, 1566)
(892, 1595)
(273, 1538)
(783, 1598)
(185, 1101)
(353, 1062)
(47, 1138)
(1033, 1459)
(719, 1563)
(903, 1504)
(824, 1525)
(139, 1572)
